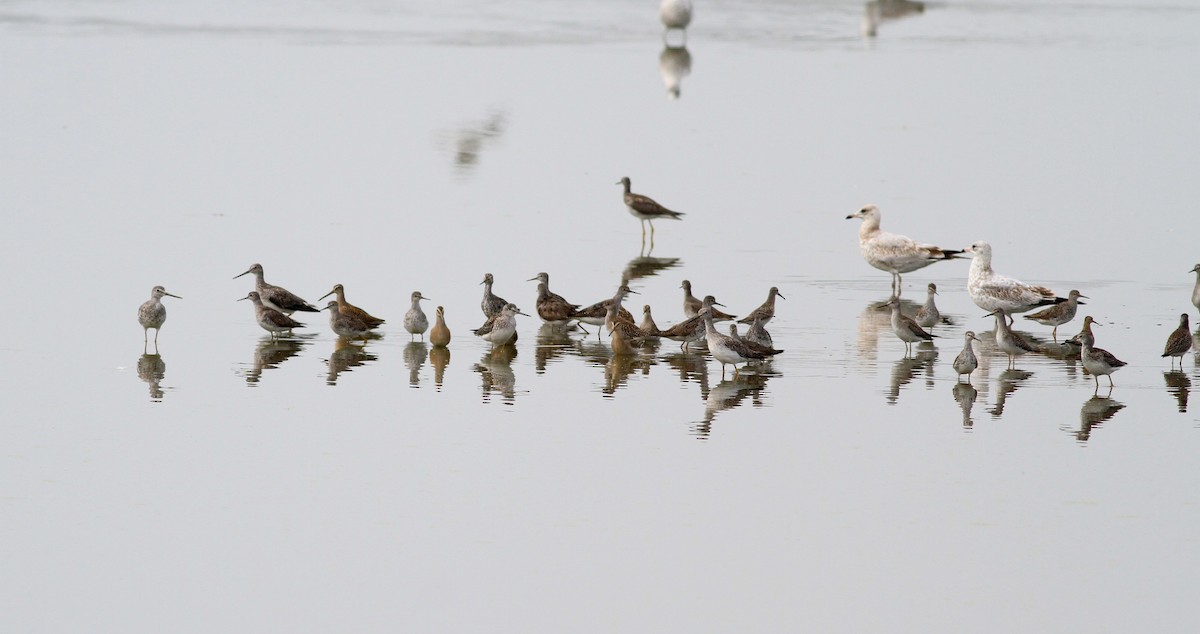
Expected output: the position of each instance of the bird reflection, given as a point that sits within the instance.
(345, 356)
(692, 368)
(151, 368)
(965, 395)
(471, 139)
(877, 11)
(439, 356)
(496, 370)
(1007, 383)
(646, 266)
(907, 367)
(674, 63)
(415, 354)
(553, 343)
(1179, 386)
(619, 368)
(1095, 410)
(270, 352)
(727, 395)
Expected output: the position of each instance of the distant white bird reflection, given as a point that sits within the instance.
(674, 63)
(470, 140)
(877, 11)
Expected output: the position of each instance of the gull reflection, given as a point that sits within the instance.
(345, 356)
(1006, 384)
(439, 357)
(471, 139)
(1095, 410)
(151, 368)
(877, 11)
(907, 368)
(965, 395)
(674, 63)
(495, 368)
(1179, 386)
(727, 395)
(415, 354)
(272, 351)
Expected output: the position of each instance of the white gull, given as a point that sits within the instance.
(892, 252)
(993, 292)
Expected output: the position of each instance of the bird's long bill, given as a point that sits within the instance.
(422, 297)
(170, 295)
(531, 279)
(719, 304)
(241, 298)
(779, 295)
(241, 274)
(991, 314)
(325, 295)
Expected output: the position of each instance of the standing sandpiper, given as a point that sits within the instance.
(152, 314)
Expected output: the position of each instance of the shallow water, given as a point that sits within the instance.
(233, 482)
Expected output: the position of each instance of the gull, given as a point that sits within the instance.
(993, 292)
(892, 252)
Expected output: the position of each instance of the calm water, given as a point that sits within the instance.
(233, 483)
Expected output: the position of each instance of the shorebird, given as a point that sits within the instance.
(753, 345)
(728, 350)
(440, 334)
(766, 312)
(905, 328)
(268, 318)
(346, 308)
(1098, 361)
(1179, 342)
(415, 321)
(1196, 289)
(691, 329)
(928, 315)
(344, 325)
(502, 328)
(152, 314)
(276, 297)
(692, 305)
(892, 252)
(491, 304)
(966, 362)
(1058, 314)
(645, 209)
(1007, 341)
(993, 292)
(758, 334)
(596, 313)
(552, 308)
(648, 326)
(622, 333)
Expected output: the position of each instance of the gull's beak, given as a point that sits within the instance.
(850, 216)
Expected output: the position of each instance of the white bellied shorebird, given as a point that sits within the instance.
(415, 321)
(892, 252)
(491, 305)
(1179, 342)
(645, 209)
(502, 328)
(1196, 288)
(966, 361)
(1058, 314)
(1097, 361)
(905, 328)
(152, 314)
(596, 313)
(268, 318)
(346, 308)
(1007, 341)
(276, 297)
(766, 312)
(344, 325)
(728, 350)
(992, 292)
(691, 329)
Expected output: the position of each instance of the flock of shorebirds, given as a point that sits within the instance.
(1001, 296)
(275, 305)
